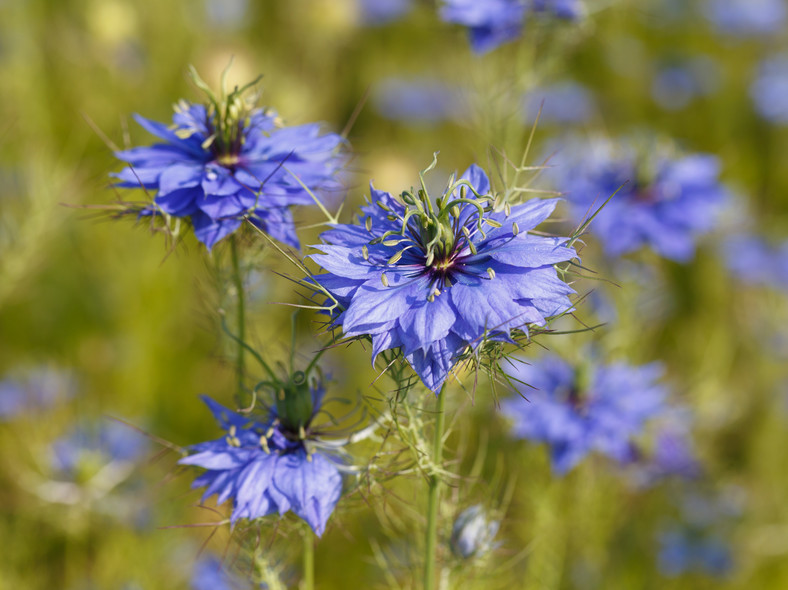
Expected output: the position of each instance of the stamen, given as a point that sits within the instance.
(384, 279)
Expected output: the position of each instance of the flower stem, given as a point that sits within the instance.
(240, 310)
(309, 559)
(434, 495)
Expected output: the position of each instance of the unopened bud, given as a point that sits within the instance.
(472, 534)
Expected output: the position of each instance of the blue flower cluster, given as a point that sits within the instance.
(576, 413)
(662, 201)
(437, 280)
(267, 466)
(219, 168)
(492, 23)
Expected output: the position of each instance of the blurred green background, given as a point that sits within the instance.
(135, 324)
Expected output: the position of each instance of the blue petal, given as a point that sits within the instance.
(209, 231)
(425, 322)
(179, 176)
(313, 486)
(532, 251)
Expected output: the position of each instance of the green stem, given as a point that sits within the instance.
(309, 559)
(434, 495)
(239, 288)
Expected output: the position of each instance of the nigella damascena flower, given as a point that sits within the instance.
(579, 410)
(662, 201)
(436, 279)
(492, 23)
(269, 464)
(225, 161)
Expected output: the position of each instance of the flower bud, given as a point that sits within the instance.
(472, 534)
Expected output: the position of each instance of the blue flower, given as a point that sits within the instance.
(209, 574)
(677, 84)
(379, 12)
(687, 550)
(436, 281)
(88, 448)
(418, 100)
(269, 465)
(562, 103)
(747, 17)
(663, 202)
(576, 413)
(219, 169)
(37, 390)
(752, 260)
(493, 23)
(769, 89)
(671, 453)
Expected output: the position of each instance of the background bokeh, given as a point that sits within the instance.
(103, 320)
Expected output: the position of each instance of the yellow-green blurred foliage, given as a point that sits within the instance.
(136, 320)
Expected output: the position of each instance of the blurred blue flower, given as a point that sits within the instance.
(218, 170)
(270, 465)
(687, 550)
(210, 574)
(746, 17)
(379, 12)
(231, 14)
(671, 453)
(567, 9)
(563, 103)
(91, 446)
(492, 23)
(576, 413)
(472, 533)
(752, 260)
(664, 201)
(673, 87)
(418, 100)
(434, 281)
(769, 89)
(34, 390)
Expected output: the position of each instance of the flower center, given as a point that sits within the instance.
(228, 160)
